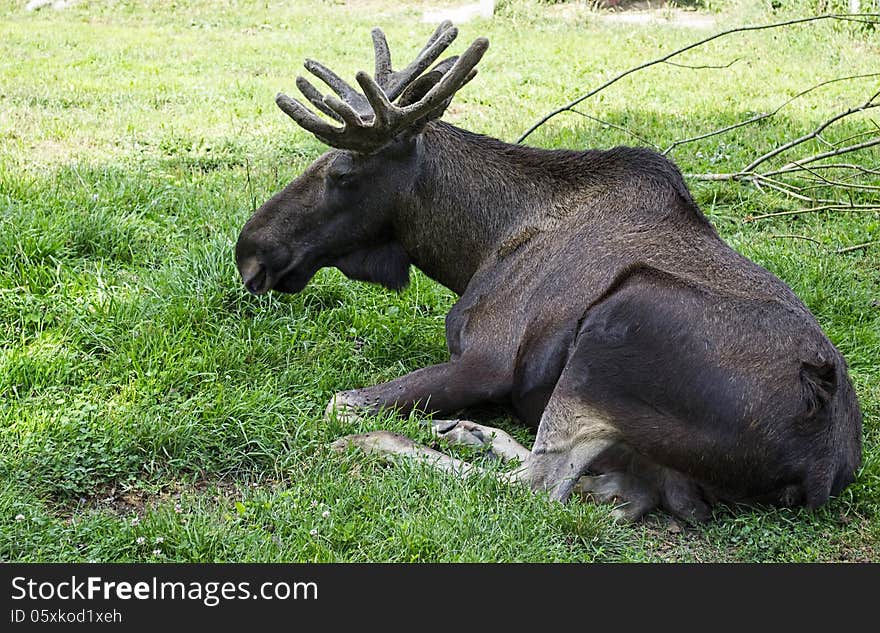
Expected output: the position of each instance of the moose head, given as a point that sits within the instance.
(343, 209)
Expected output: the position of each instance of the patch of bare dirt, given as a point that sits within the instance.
(138, 502)
(663, 17)
(637, 12)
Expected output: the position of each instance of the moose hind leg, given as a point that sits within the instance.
(637, 486)
(632, 498)
(571, 436)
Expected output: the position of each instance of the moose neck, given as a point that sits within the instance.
(472, 193)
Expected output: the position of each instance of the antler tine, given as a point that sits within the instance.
(445, 24)
(337, 84)
(382, 106)
(305, 118)
(315, 97)
(398, 81)
(370, 120)
(344, 111)
(390, 119)
(345, 137)
(445, 65)
(462, 71)
(383, 55)
(384, 74)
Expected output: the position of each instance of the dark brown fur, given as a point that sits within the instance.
(591, 277)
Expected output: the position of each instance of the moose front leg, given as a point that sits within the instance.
(446, 387)
(571, 436)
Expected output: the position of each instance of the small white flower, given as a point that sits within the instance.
(135, 521)
(325, 513)
(156, 552)
(140, 540)
(178, 508)
(313, 532)
(19, 517)
(160, 539)
(314, 503)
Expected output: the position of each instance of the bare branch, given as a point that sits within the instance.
(798, 165)
(860, 17)
(717, 177)
(785, 188)
(838, 251)
(858, 135)
(843, 150)
(623, 129)
(855, 247)
(704, 66)
(766, 115)
(790, 236)
(815, 133)
(825, 207)
(848, 166)
(722, 130)
(825, 182)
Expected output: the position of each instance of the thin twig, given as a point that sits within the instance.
(795, 237)
(728, 65)
(858, 135)
(837, 183)
(818, 176)
(848, 166)
(766, 115)
(837, 152)
(823, 140)
(826, 207)
(856, 247)
(616, 127)
(815, 133)
(784, 187)
(798, 165)
(664, 58)
(722, 130)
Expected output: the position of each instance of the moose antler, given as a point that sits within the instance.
(370, 120)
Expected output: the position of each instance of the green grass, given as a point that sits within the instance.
(145, 395)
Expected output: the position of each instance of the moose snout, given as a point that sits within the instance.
(254, 276)
(252, 267)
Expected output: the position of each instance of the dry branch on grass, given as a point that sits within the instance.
(807, 168)
(867, 18)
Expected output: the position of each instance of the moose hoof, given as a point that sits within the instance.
(631, 500)
(460, 432)
(343, 407)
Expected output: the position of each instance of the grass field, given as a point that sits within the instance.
(151, 410)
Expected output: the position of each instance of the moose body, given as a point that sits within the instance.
(659, 367)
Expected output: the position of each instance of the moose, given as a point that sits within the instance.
(660, 369)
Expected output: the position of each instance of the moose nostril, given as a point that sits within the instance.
(255, 280)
